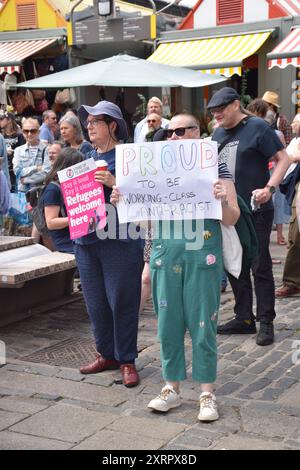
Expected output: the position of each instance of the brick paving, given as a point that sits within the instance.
(48, 406)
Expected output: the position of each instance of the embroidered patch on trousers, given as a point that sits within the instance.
(210, 259)
(207, 234)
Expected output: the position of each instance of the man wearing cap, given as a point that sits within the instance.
(247, 144)
(110, 267)
(280, 123)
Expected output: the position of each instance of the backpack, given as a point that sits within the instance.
(34, 197)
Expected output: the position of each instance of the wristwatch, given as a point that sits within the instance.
(272, 189)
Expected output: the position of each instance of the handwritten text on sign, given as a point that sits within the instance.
(167, 180)
(84, 198)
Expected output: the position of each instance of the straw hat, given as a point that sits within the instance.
(272, 98)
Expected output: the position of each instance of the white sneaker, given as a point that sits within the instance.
(208, 407)
(166, 400)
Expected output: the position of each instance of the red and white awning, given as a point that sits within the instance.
(291, 7)
(13, 53)
(287, 52)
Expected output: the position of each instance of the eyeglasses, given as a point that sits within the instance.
(94, 122)
(180, 131)
(31, 131)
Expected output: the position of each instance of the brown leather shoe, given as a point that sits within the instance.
(287, 291)
(99, 365)
(130, 375)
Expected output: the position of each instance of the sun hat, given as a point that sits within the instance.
(272, 98)
(109, 109)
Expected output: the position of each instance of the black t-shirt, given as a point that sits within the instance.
(61, 238)
(247, 155)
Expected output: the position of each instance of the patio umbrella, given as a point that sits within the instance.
(123, 71)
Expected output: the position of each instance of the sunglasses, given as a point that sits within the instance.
(31, 131)
(180, 131)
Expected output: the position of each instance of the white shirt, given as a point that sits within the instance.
(141, 129)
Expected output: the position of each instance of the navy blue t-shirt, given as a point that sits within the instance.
(247, 155)
(61, 238)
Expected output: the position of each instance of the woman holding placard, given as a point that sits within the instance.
(110, 266)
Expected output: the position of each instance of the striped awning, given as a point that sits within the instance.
(13, 53)
(287, 52)
(217, 55)
(291, 7)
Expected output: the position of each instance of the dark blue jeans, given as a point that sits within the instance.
(110, 274)
(262, 274)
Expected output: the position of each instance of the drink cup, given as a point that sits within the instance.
(101, 165)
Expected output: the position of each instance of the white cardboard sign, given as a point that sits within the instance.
(170, 180)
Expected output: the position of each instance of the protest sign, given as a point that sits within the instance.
(169, 180)
(84, 198)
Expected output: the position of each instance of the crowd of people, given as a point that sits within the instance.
(256, 148)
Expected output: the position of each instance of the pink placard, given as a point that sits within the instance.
(84, 199)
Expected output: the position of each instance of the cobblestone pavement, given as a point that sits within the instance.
(48, 406)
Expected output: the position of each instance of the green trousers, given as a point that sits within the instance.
(186, 296)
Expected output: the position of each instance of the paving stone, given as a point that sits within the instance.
(244, 378)
(265, 407)
(64, 388)
(291, 396)
(270, 394)
(223, 378)
(295, 371)
(104, 380)
(245, 361)
(6, 391)
(291, 410)
(70, 374)
(46, 396)
(42, 370)
(285, 383)
(64, 422)
(16, 441)
(227, 347)
(235, 356)
(283, 335)
(22, 405)
(147, 427)
(291, 445)
(260, 351)
(233, 370)
(228, 388)
(16, 367)
(8, 418)
(271, 359)
(275, 374)
(286, 345)
(113, 440)
(286, 426)
(257, 385)
(247, 442)
(192, 441)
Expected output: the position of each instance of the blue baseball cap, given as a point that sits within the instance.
(109, 109)
(223, 97)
